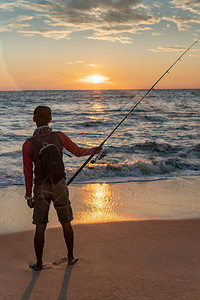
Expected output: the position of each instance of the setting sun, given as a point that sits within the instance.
(98, 79)
(94, 79)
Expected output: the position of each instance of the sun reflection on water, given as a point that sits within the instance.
(99, 204)
(92, 117)
(97, 106)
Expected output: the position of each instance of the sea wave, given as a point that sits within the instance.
(137, 169)
(158, 147)
(124, 171)
(150, 147)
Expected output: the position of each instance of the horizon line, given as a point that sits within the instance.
(142, 89)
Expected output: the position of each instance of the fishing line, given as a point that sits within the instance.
(166, 72)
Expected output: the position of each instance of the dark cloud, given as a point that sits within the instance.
(112, 20)
(108, 17)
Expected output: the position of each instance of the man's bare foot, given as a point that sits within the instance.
(72, 261)
(35, 267)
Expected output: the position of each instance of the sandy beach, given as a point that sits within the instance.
(134, 240)
(120, 260)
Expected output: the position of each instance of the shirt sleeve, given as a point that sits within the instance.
(27, 167)
(72, 147)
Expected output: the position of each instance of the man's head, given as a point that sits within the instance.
(42, 115)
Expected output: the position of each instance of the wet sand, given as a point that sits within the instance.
(174, 198)
(119, 260)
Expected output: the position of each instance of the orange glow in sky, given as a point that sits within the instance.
(98, 44)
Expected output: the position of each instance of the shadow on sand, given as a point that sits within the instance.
(64, 288)
(30, 287)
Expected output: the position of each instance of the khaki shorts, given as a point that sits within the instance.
(44, 194)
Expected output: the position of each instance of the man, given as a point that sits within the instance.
(45, 189)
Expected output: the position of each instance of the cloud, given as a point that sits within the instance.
(168, 49)
(49, 33)
(195, 54)
(183, 22)
(173, 49)
(108, 20)
(187, 14)
(2, 29)
(111, 38)
(187, 5)
(15, 25)
(156, 33)
(80, 62)
(24, 18)
(7, 6)
(18, 22)
(93, 65)
(74, 62)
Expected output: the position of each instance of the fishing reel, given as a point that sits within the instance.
(101, 155)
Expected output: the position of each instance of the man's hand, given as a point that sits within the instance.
(30, 202)
(97, 149)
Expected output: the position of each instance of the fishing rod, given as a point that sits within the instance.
(166, 72)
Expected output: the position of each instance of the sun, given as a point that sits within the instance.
(96, 79)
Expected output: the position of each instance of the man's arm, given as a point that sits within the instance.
(75, 149)
(28, 168)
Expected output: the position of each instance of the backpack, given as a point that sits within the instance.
(50, 160)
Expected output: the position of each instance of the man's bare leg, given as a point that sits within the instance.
(69, 240)
(39, 246)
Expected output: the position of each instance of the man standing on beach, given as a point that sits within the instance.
(47, 187)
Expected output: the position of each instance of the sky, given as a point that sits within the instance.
(94, 44)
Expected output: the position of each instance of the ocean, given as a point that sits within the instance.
(160, 139)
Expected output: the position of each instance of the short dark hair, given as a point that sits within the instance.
(42, 114)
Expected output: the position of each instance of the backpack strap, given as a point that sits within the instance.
(34, 142)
